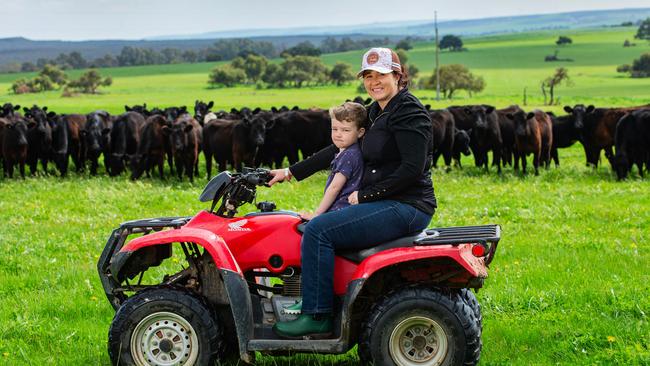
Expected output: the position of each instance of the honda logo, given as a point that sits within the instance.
(238, 226)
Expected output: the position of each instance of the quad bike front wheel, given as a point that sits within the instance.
(421, 326)
(164, 327)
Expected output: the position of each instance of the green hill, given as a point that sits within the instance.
(509, 63)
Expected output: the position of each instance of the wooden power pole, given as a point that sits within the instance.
(437, 58)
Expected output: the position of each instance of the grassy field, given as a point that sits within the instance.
(569, 284)
(509, 63)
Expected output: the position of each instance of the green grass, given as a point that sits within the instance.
(568, 286)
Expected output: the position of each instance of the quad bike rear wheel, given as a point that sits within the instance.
(420, 326)
(164, 327)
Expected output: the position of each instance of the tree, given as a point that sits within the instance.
(90, 81)
(28, 67)
(455, 77)
(560, 76)
(274, 75)
(404, 44)
(644, 30)
(226, 75)
(341, 73)
(454, 43)
(562, 40)
(641, 66)
(55, 74)
(254, 66)
(305, 48)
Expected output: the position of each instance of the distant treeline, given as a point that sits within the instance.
(222, 50)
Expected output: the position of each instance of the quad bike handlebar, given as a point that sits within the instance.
(235, 190)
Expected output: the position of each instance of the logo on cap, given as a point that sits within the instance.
(372, 58)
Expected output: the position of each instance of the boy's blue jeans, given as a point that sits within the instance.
(354, 227)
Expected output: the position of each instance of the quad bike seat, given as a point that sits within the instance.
(357, 256)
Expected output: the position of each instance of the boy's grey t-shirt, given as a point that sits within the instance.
(349, 162)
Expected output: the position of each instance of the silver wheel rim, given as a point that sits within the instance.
(164, 339)
(418, 340)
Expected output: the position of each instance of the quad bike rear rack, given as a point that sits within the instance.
(486, 235)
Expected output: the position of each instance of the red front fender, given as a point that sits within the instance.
(213, 243)
(462, 254)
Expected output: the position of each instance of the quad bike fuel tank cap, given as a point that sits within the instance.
(266, 206)
(276, 261)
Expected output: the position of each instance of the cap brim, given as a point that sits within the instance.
(379, 69)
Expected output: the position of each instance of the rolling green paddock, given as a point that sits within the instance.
(569, 284)
(509, 63)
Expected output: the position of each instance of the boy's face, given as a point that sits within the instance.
(345, 133)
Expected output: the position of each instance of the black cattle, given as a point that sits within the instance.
(565, 134)
(442, 142)
(76, 142)
(533, 135)
(142, 109)
(217, 143)
(14, 145)
(507, 129)
(8, 110)
(359, 99)
(201, 109)
(309, 130)
(461, 145)
(185, 135)
(248, 137)
(486, 133)
(123, 141)
(39, 138)
(95, 142)
(151, 150)
(277, 143)
(632, 143)
(60, 135)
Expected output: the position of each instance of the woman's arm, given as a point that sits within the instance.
(303, 169)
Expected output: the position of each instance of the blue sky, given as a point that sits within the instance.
(137, 19)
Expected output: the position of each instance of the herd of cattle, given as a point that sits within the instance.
(141, 139)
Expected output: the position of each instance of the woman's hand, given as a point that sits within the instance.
(280, 175)
(353, 198)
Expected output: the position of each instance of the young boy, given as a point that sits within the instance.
(348, 121)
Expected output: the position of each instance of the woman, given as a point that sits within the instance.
(396, 197)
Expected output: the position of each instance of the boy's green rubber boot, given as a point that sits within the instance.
(304, 325)
(295, 309)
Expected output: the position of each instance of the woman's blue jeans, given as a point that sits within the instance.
(354, 227)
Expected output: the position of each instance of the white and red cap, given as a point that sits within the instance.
(383, 60)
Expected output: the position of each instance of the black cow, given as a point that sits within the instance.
(123, 141)
(93, 133)
(565, 134)
(461, 145)
(142, 109)
(201, 109)
(151, 150)
(185, 135)
(14, 145)
(8, 110)
(309, 130)
(442, 143)
(632, 143)
(217, 143)
(247, 140)
(60, 136)
(39, 138)
(507, 129)
(486, 133)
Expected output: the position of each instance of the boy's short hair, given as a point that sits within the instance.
(350, 112)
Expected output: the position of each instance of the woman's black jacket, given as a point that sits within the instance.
(396, 153)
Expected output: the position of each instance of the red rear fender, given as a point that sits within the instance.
(213, 243)
(461, 254)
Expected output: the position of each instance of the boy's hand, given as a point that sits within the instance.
(307, 215)
(353, 198)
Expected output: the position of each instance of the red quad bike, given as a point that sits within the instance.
(404, 302)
